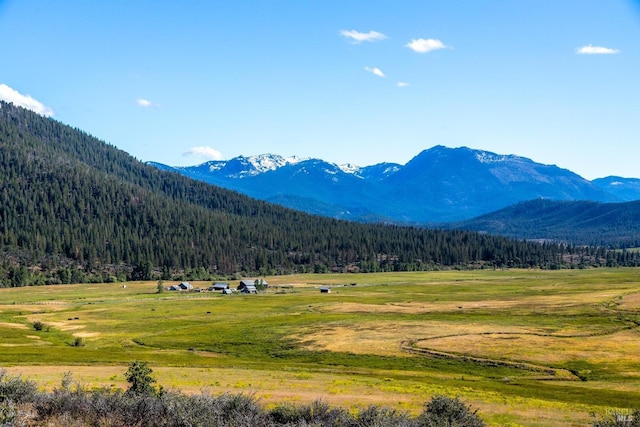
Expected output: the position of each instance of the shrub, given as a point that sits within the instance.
(285, 413)
(374, 416)
(15, 389)
(319, 413)
(188, 410)
(239, 410)
(38, 325)
(8, 413)
(442, 411)
(67, 380)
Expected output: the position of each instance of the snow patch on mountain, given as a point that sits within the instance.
(350, 168)
(216, 166)
(487, 157)
(391, 169)
(269, 162)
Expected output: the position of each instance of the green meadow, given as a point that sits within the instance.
(524, 347)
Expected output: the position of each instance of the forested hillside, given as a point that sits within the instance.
(582, 222)
(74, 209)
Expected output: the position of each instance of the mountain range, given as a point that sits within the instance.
(437, 186)
(75, 209)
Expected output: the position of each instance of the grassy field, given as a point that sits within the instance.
(526, 348)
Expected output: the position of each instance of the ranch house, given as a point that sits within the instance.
(247, 287)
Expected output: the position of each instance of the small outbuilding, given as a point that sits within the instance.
(219, 286)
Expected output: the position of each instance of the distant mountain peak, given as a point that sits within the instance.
(245, 166)
(269, 162)
(482, 156)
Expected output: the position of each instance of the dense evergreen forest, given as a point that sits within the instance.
(75, 209)
(614, 225)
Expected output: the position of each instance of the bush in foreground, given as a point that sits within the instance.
(443, 411)
(73, 406)
(143, 406)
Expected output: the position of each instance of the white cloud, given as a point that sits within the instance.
(403, 84)
(596, 50)
(144, 103)
(358, 37)
(425, 45)
(376, 71)
(206, 153)
(13, 96)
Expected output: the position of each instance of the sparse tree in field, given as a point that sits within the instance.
(259, 283)
(160, 286)
(139, 377)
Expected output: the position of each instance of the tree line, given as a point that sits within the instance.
(75, 209)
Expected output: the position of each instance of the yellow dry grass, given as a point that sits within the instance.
(63, 326)
(13, 325)
(86, 334)
(384, 337)
(500, 343)
(380, 338)
(534, 303)
(630, 302)
(622, 346)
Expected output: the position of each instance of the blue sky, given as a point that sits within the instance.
(348, 81)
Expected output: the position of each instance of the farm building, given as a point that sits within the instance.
(247, 287)
(185, 286)
(258, 283)
(219, 286)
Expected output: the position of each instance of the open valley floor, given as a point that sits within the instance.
(524, 347)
